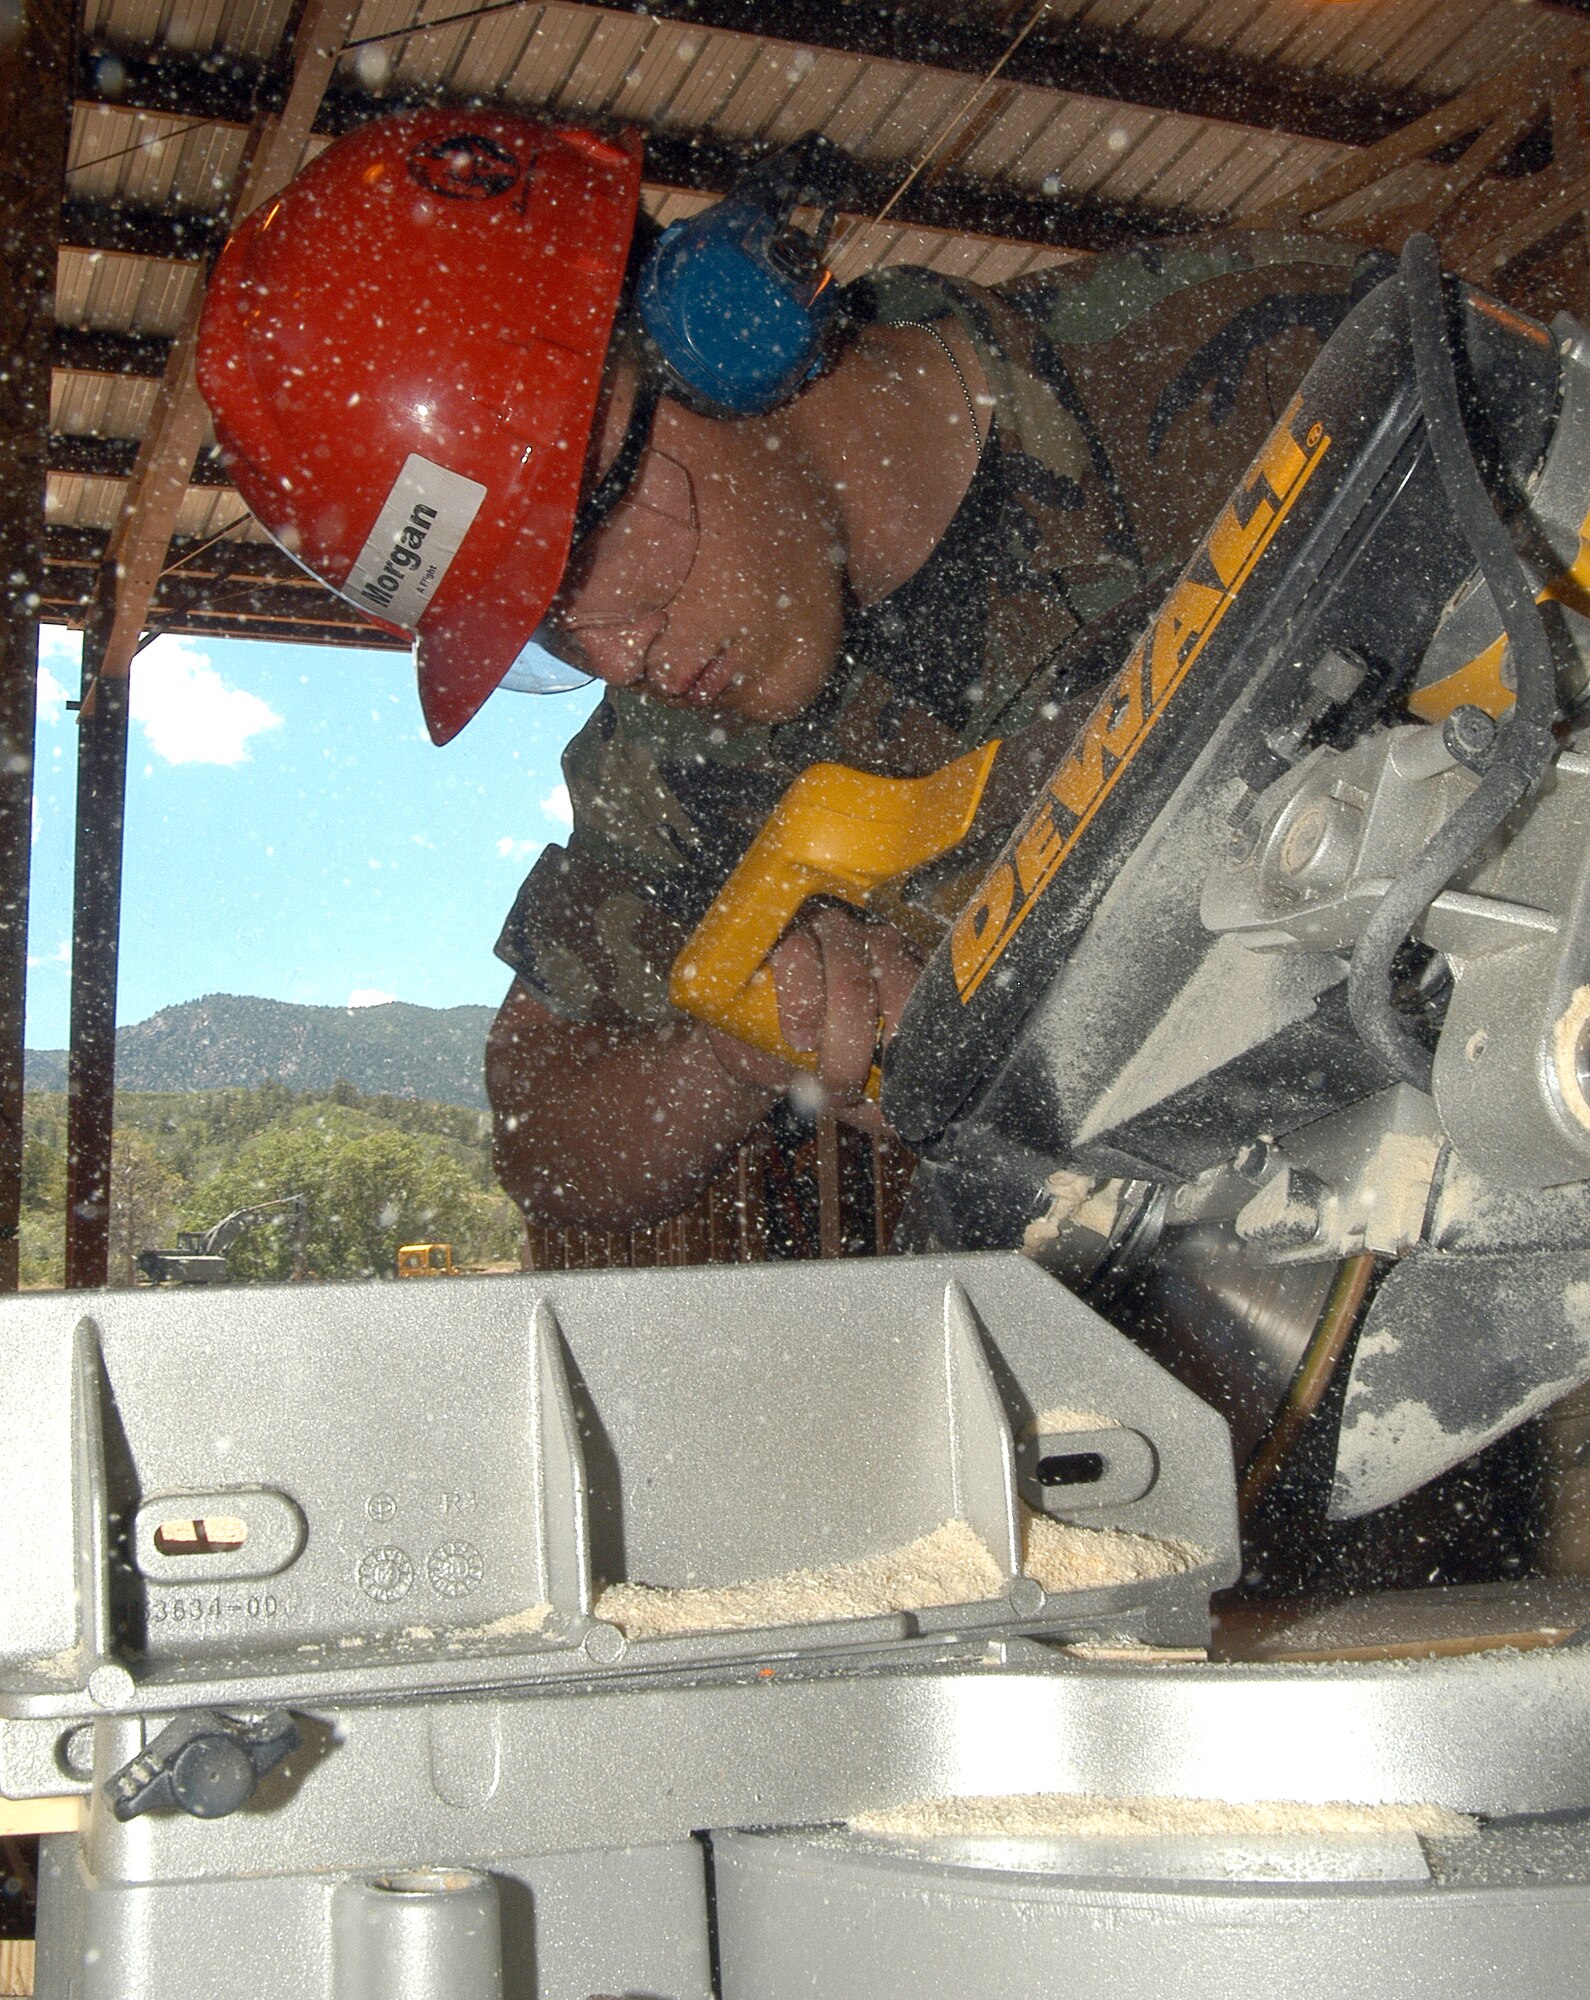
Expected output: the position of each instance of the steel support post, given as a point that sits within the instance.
(96, 947)
(36, 67)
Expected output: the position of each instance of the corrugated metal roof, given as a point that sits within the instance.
(119, 294)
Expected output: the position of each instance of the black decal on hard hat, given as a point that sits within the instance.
(465, 166)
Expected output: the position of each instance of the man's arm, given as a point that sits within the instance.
(608, 1127)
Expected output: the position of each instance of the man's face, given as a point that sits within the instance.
(717, 582)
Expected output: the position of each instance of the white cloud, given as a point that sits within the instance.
(188, 713)
(556, 805)
(369, 996)
(509, 849)
(52, 695)
(60, 646)
(62, 955)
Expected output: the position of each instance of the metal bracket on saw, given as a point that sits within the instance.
(281, 1497)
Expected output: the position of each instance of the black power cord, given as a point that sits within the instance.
(1523, 743)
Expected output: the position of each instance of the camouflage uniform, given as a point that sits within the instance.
(1129, 397)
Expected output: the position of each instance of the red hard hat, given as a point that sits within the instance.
(403, 353)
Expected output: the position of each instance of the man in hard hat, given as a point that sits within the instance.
(455, 377)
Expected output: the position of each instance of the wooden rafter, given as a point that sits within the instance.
(143, 532)
(227, 588)
(1482, 220)
(1452, 170)
(1462, 119)
(1571, 145)
(1501, 223)
(101, 457)
(89, 351)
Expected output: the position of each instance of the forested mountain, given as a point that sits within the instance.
(229, 1041)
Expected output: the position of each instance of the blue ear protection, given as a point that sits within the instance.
(736, 305)
(736, 302)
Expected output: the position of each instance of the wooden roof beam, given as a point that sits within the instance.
(198, 555)
(1468, 114)
(159, 481)
(115, 458)
(224, 562)
(131, 229)
(689, 164)
(1122, 66)
(699, 163)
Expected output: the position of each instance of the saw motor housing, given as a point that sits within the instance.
(1140, 1049)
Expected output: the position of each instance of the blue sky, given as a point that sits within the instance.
(293, 832)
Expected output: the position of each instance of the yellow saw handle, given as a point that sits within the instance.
(835, 832)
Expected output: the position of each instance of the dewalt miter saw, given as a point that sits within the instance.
(1269, 1027)
(844, 1627)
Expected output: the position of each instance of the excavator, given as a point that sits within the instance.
(952, 1623)
(200, 1255)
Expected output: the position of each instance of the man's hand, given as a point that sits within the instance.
(842, 983)
(606, 1127)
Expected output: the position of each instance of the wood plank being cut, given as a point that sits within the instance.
(16, 1967)
(23, 1818)
(1443, 1623)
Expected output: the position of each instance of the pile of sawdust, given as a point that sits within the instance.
(952, 1565)
(512, 1625)
(1057, 1815)
(1133, 1652)
(1060, 1420)
(1062, 1556)
(949, 1566)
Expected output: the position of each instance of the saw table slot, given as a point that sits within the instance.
(1069, 1471)
(223, 1532)
(1070, 1468)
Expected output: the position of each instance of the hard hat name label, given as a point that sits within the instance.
(416, 535)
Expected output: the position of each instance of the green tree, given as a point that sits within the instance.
(368, 1188)
(42, 1231)
(214, 1146)
(144, 1191)
(43, 1168)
